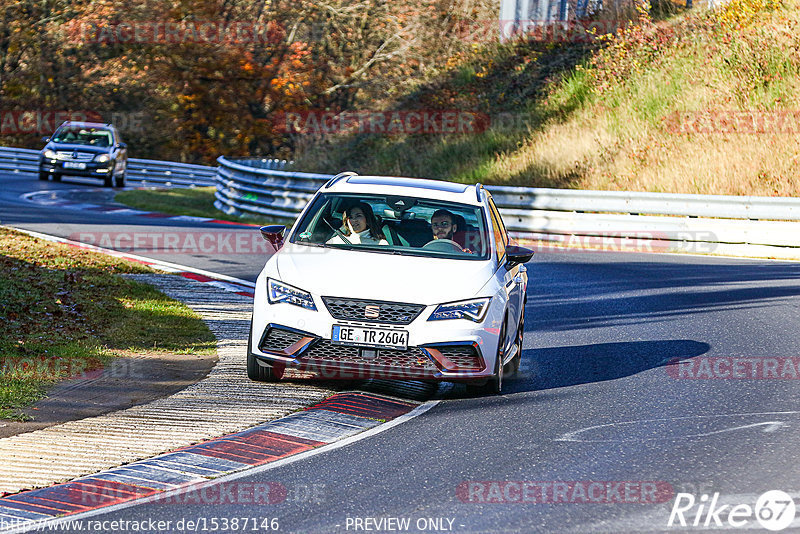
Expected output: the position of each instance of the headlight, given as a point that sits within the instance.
(473, 310)
(102, 158)
(50, 154)
(280, 292)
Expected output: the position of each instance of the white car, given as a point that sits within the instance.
(398, 278)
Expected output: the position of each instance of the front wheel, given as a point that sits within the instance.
(119, 181)
(43, 176)
(515, 362)
(495, 383)
(56, 177)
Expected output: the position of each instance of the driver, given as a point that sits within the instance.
(443, 225)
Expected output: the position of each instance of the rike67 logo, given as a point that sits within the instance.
(773, 510)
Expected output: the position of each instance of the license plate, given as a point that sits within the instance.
(382, 338)
(74, 165)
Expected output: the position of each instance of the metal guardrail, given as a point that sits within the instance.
(243, 188)
(549, 213)
(17, 160)
(263, 187)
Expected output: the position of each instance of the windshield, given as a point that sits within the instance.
(395, 224)
(84, 136)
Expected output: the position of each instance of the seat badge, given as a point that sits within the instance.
(372, 312)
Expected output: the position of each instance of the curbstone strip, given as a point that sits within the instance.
(190, 468)
(224, 402)
(119, 457)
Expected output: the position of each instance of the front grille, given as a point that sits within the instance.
(356, 310)
(326, 352)
(465, 357)
(79, 156)
(278, 340)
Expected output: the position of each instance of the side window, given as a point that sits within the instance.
(500, 221)
(500, 238)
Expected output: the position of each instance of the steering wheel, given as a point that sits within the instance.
(443, 245)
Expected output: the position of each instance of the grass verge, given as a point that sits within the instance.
(196, 201)
(67, 311)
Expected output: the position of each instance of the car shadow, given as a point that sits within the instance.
(557, 367)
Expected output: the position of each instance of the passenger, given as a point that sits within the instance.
(443, 225)
(360, 226)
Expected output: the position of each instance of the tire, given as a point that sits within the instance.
(513, 365)
(44, 176)
(119, 181)
(495, 383)
(56, 177)
(107, 181)
(257, 372)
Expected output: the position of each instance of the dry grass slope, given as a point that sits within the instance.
(653, 108)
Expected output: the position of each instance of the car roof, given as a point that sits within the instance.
(76, 124)
(398, 185)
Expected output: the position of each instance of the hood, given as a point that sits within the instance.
(370, 275)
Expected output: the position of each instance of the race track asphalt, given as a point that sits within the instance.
(595, 402)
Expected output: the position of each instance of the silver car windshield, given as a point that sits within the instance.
(395, 224)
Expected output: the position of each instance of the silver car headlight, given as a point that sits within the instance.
(279, 292)
(473, 310)
(50, 154)
(102, 158)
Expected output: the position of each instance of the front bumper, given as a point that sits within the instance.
(290, 348)
(92, 169)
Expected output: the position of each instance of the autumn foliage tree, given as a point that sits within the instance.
(192, 79)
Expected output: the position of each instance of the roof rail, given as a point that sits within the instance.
(478, 188)
(339, 176)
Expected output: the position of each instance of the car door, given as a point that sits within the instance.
(511, 277)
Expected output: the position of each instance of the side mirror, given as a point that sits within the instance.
(274, 234)
(45, 139)
(516, 255)
(122, 145)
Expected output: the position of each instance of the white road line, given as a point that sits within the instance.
(170, 267)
